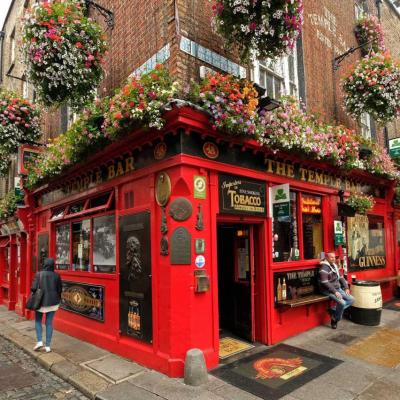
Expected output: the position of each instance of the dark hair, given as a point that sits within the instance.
(48, 264)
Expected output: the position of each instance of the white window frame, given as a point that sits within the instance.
(283, 74)
(366, 126)
(12, 47)
(359, 10)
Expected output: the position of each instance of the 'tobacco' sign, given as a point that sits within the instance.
(239, 195)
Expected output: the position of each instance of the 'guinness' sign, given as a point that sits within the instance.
(238, 195)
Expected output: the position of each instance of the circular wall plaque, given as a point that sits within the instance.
(181, 209)
(210, 150)
(163, 188)
(160, 151)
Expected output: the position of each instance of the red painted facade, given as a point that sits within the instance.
(183, 318)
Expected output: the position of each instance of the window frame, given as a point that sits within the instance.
(288, 83)
(69, 222)
(302, 261)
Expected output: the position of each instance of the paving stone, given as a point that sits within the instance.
(381, 390)
(126, 391)
(331, 391)
(64, 369)
(231, 392)
(88, 383)
(48, 359)
(115, 368)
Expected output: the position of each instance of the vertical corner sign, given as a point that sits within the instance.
(199, 186)
(338, 230)
(394, 148)
(280, 201)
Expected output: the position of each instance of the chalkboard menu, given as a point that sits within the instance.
(291, 285)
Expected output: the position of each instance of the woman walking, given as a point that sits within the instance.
(50, 282)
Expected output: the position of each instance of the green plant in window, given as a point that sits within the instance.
(361, 203)
(8, 205)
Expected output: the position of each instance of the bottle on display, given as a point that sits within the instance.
(279, 290)
(284, 293)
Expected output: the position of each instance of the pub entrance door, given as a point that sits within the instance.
(236, 274)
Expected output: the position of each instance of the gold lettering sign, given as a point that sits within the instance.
(90, 180)
(310, 175)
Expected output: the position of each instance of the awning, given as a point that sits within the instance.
(4, 241)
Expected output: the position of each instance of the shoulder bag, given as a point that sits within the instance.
(35, 299)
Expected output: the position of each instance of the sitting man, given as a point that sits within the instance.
(334, 286)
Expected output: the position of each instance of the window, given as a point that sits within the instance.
(289, 241)
(25, 88)
(360, 8)
(366, 127)
(366, 242)
(12, 47)
(279, 77)
(104, 244)
(81, 245)
(87, 245)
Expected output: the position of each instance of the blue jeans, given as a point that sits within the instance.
(49, 326)
(341, 304)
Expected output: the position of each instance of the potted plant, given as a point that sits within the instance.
(373, 87)
(63, 51)
(268, 29)
(361, 203)
(19, 123)
(369, 30)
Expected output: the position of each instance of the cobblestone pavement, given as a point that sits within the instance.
(23, 378)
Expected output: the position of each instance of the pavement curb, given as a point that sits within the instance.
(83, 380)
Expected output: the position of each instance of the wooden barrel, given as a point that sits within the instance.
(367, 306)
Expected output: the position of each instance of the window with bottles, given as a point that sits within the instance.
(87, 245)
(299, 234)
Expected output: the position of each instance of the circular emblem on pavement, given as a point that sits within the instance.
(200, 261)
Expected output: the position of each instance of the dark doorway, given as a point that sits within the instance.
(236, 280)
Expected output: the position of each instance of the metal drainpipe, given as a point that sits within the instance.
(2, 35)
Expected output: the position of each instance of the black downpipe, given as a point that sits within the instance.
(2, 35)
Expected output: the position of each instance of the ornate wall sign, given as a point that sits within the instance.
(160, 150)
(210, 150)
(83, 299)
(199, 218)
(181, 209)
(164, 226)
(199, 246)
(181, 246)
(239, 195)
(163, 188)
(135, 299)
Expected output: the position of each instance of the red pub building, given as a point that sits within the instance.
(167, 239)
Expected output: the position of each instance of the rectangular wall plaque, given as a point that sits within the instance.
(84, 299)
(181, 246)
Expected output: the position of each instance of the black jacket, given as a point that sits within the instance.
(50, 283)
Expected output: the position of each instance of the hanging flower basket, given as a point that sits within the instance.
(19, 123)
(373, 87)
(368, 29)
(63, 51)
(345, 210)
(267, 28)
(360, 202)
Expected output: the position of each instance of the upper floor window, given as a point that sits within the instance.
(279, 77)
(366, 126)
(360, 8)
(12, 47)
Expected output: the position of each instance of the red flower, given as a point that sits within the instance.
(118, 115)
(79, 45)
